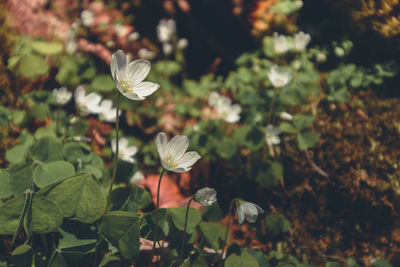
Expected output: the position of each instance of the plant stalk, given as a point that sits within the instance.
(115, 156)
(227, 228)
(157, 209)
(184, 230)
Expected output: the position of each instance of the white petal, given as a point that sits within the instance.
(179, 170)
(118, 62)
(137, 71)
(114, 145)
(131, 151)
(123, 143)
(145, 88)
(161, 143)
(131, 96)
(177, 146)
(188, 159)
(240, 214)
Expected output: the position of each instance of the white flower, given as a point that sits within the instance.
(62, 95)
(301, 40)
(223, 105)
(125, 152)
(229, 113)
(166, 28)
(107, 112)
(286, 116)
(271, 135)
(134, 36)
(145, 53)
(167, 48)
(281, 44)
(87, 17)
(129, 77)
(206, 196)
(249, 211)
(172, 154)
(182, 43)
(137, 177)
(278, 77)
(87, 104)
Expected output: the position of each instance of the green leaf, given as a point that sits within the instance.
(74, 152)
(286, 7)
(47, 48)
(103, 83)
(46, 131)
(276, 224)
(18, 116)
(40, 111)
(79, 197)
(214, 234)
(43, 216)
(381, 263)
(5, 115)
(47, 149)
(122, 229)
(150, 222)
(32, 66)
(250, 136)
(21, 177)
(244, 259)
(341, 95)
(270, 176)
(5, 187)
(259, 256)
(212, 213)
(58, 261)
(48, 173)
(196, 260)
(130, 198)
(333, 264)
(167, 67)
(17, 153)
(287, 127)
(69, 241)
(301, 122)
(178, 218)
(306, 140)
(226, 148)
(22, 256)
(268, 46)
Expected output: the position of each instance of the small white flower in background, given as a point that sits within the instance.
(129, 77)
(299, 3)
(166, 28)
(301, 40)
(145, 53)
(182, 43)
(223, 105)
(167, 48)
(286, 116)
(87, 104)
(62, 95)
(87, 17)
(206, 196)
(107, 112)
(125, 152)
(278, 77)
(172, 154)
(271, 135)
(137, 177)
(249, 211)
(281, 44)
(134, 36)
(229, 113)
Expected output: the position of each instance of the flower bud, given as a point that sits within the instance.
(206, 196)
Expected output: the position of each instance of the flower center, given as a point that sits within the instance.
(126, 86)
(169, 161)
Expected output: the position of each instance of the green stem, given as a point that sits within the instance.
(227, 228)
(157, 209)
(115, 155)
(57, 118)
(184, 230)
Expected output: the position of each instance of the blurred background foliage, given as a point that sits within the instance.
(330, 189)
